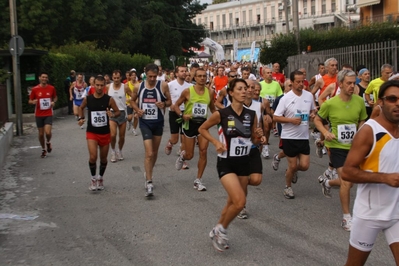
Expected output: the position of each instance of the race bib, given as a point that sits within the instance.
(240, 146)
(304, 115)
(150, 111)
(200, 110)
(45, 103)
(346, 133)
(79, 95)
(98, 118)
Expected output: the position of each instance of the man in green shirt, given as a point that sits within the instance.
(346, 113)
(374, 86)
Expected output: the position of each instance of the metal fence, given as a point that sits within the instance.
(373, 56)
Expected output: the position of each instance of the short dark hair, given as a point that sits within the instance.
(99, 78)
(194, 65)
(320, 64)
(245, 69)
(151, 67)
(386, 85)
(116, 71)
(295, 73)
(346, 65)
(43, 72)
(231, 86)
(177, 68)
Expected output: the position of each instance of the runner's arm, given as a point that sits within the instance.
(220, 97)
(213, 120)
(114, 107)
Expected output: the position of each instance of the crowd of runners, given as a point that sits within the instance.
(352, 120)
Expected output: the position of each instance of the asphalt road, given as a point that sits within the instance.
(49, 217)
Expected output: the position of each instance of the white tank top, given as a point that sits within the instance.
(119, 96)
(256, 106)
(379, 201)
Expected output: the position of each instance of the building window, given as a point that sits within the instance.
(224, 20)
(199, 21)
(265, 14)
(211, 25)
(258, 19)
(305, 7)
(206, 21)
(237, 22)
(250, 16)
(333, 6)
(194, 21)
(244, 17)
(313, 8)
(323, 6)
(218, 21)
(231, 19)
(273, 12)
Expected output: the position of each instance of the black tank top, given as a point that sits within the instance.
(361, 90)
(97, 119)
(235, 131)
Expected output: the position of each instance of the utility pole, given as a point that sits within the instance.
(287, 23)
(295, 23)
(16, 49)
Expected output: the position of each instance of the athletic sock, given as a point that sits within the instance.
(103, 166)
(92, 167)
(347, 216)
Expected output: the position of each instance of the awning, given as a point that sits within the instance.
(363, 3)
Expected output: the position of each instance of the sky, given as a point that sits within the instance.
(206, 1)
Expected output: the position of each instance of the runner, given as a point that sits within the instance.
(346, 113)
(370, 164)
(117, 90)
(77, 93)
(237, 132)
(149, 100)
(293, 112)
(197, 100)
(132, 119)
(44, 96)
(98, 130)
(176, 87)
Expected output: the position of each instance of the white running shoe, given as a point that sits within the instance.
(134, 132)
(168, 148)
(113, 157)
(243, 214)
(93, 184)
(129, 125)
(149, 190)
(324, 150)
(180, 160)
(100, 183)
(347, 224)
(119, 156)
(275, 162)
(198, 185)
(219, 239)
(265, 151)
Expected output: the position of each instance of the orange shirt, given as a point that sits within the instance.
(327, 81)
(220, 83)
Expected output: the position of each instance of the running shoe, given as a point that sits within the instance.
(180, 160)
(185, 166)
(149, 190)
(100, 183)
(328, 174)
(347, 224)
(334, 174)
(119, 156)
(129, 125)
(275, 162)
(44, 154)
(326, 190)
(324, 150)
(319, 148)
(294, 178)
(82, 127)
(168, 148)
(243, 214)
(275, 132)
(265, 151)
(93, 185)
(198, 185)
(113, 157)
(219, 239)
(134, 132)
(288, 193)
(49, 147)
(315, 135)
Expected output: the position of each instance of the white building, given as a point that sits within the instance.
(257, 20)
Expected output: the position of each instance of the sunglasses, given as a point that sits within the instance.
(233, 76)
(390, 98)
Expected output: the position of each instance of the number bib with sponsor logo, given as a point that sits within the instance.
(240, 146)
(150, 111)
(346, 133)
(98, 118)
(200, 110)
(45, 103)
(304, 115)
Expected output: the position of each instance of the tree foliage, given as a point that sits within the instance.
(284, 45)
(152, 27)
(219, 1)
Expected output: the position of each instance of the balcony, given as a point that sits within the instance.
(390, 18)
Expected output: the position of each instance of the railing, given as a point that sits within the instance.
(393, 18)
(373, 56)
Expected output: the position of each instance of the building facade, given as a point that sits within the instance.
(258, 20)
(378, 11)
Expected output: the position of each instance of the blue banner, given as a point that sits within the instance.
(245, 54)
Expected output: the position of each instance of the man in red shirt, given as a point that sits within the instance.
(277, 76)
(44, 96)
(220, 81)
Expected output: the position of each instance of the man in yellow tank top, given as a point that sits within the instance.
(197, 100)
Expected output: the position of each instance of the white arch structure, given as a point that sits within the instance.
(214, 46)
